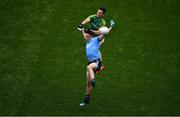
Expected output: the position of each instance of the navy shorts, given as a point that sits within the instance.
(98, 62)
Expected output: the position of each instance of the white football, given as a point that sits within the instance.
(104, 30)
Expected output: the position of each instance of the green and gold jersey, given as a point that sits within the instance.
(95, 22)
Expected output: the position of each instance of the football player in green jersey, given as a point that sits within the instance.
(94, 23)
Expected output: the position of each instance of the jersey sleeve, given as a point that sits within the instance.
(90, 17)
(103, 22)
(98, 39)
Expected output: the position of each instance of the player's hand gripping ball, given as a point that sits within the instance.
(104, 30)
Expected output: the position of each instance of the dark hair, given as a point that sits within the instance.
(88, 31)
(103, 9)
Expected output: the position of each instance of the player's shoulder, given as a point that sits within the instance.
(91, 16)
(96, 38)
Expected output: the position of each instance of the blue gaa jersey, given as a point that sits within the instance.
(92, 49)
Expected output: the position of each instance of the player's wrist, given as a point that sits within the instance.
(80, 27)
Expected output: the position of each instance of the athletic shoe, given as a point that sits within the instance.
(82, 104)
(85, 101)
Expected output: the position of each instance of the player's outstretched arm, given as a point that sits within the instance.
(84, 22)
(112, 23)
(102, 36)
(87, 20)
(81, 26)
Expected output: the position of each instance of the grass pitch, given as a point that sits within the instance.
(43, 63)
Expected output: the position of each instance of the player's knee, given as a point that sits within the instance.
(89, 67)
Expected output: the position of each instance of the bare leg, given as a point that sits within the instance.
(90, 69)
(88, 84)
(90, 77)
